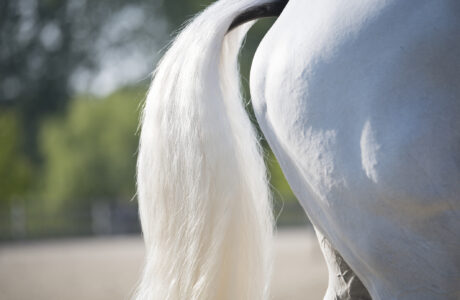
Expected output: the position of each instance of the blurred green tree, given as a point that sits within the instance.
(15, 169)
(90, 153)
(44, 43)
(178, 11)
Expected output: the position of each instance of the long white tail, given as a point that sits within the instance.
(204, 201)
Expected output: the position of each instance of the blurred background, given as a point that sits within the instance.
(73, 76)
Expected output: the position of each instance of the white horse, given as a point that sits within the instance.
(360, 102)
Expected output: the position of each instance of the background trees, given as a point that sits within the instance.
(90, 152)
(50, 47)
(15, 168)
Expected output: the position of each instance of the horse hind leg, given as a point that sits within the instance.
(343, 283)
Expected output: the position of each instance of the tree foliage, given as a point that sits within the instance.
(15, 169)
(45, 43)
(90, 153)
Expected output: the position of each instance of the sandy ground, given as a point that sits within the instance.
(107, 268)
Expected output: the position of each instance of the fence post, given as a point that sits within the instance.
(101, 216)
(18, 220)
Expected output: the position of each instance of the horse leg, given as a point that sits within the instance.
(343, 283)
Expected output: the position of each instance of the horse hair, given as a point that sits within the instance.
(204, 201)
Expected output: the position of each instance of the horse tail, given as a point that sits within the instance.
(204, 201)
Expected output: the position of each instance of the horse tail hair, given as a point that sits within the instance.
(204, 201)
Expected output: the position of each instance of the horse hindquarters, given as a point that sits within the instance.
(360, 103)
